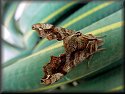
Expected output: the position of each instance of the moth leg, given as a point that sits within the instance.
(93, 48)
(89, 59)
(90, 47)
(100, 49)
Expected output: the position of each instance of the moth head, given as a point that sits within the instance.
(45, 30)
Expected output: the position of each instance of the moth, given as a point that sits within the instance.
(78, 47)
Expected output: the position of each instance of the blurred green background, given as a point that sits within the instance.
(24, 53)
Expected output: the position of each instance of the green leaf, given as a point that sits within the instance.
(11, 46)
(29, 68)
(46, 13)
(9, 51)
(105, 82)
(18, 57)
(90, 13)
(9, 23)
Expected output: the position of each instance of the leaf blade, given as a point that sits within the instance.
(41, 58)
(86, 10)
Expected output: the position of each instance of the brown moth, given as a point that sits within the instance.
(51, 32)
(78, 47)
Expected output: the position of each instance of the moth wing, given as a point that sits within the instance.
(47, 26)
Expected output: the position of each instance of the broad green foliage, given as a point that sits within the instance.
(52, 12)
(102, 18)
(106, 82)
(20, 56)
(46, 12)
(9, 23)
(85, 16)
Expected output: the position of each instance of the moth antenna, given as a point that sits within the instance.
(101, 36)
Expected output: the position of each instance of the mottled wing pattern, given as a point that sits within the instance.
(78, 47)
